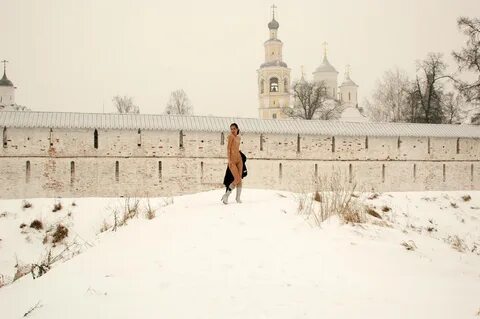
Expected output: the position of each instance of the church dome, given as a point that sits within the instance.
(273, 24)
(325, 66)
(5, 81)
(348, 82)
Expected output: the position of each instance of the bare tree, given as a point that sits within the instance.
(179, 104)
(124, 104)
(391, 98)
(312, 102)
(426, 99)
(475, 119)
(468, 58)
(453, 108)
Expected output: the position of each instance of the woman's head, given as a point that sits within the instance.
(234, 129)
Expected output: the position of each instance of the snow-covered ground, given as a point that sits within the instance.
(260, 259)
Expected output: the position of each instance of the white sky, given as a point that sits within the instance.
(68, 55)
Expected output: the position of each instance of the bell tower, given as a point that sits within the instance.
(273, 76)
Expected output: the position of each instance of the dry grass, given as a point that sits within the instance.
(36, 224)
(457, 243)
(333, 196)
(21, 270)
(466, 198)
(26, 204)
(105, 226)
(410, 245)
(60, 233)
(57, 207)
(149, 212)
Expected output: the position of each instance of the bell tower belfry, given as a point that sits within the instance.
(273, 76)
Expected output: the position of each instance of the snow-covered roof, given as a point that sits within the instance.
(352, 114)
(221, 124)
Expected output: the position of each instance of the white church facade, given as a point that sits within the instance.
(274, 82)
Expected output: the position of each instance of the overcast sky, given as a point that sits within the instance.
(74, 56)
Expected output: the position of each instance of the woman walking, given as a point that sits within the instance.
(235, 164)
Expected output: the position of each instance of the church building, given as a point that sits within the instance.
(274, 82)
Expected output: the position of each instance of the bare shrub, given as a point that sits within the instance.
(105, 226)
(38, 270)
(48, 260)
(37, 305)
(466, 198)
(23, 225)
(131, 209)
(354, 213)
(372, 212)
(457, 243)
(36, 224)
(386, 209)
(454, 205)
(21, 270)
(409, 245)
(57, 207)
(74, 204)
(332, 197)
(4, 214)
(60, 233)
(26, 204)
(149, 212)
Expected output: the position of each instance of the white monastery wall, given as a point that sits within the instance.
(39, 162)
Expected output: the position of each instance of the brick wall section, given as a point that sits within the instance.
(64, 162)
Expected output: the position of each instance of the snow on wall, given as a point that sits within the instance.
(39, 162)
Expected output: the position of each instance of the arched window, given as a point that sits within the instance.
(274, 85)
(262, 86)
(285, 84)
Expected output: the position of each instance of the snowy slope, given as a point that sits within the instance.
(200, 259)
